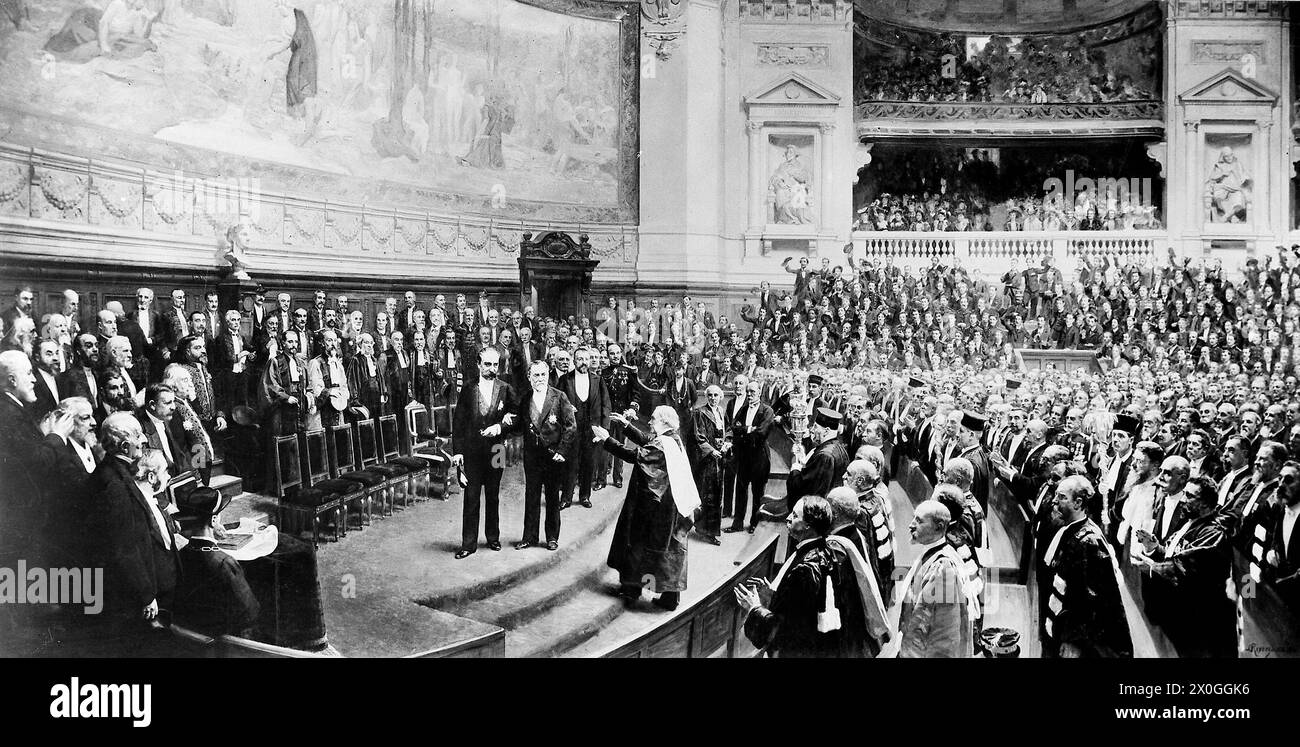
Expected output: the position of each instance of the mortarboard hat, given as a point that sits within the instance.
(973, 422)
(1128, 424)
(200, 504)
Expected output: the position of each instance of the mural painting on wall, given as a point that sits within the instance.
(413, 98)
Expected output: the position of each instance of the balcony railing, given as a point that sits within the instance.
(993, 251)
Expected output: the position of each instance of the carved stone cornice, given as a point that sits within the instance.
(970, 110)
(1237, 9)
(795, 11)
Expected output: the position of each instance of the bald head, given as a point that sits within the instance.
(929, 522)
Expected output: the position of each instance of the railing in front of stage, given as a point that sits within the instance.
(711, 627)
(993, 251)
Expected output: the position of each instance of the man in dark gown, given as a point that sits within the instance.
(813, 608)
(650, 537)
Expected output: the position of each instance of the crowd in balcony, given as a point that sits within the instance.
(1044, 70)
(951, 189)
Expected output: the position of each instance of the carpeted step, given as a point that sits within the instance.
(582, 616)
(521, 603)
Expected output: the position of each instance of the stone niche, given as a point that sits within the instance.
(790, 125)
(1228, 131)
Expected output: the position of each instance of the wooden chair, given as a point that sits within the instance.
(390, 437)
(296, 499)
(427, 448)
(354, 487)
(387, 447)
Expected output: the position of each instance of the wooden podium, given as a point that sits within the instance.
(555, 273)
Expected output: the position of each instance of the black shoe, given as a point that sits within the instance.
(732, 528)
(586, 504)
(618, 483)
(726, 514)
(552, 545)
(565, 505)
(497, 545)
(598, 486)
(751, 529)
(524, 545)
(661, 604)
(711, 540)
(462, 554)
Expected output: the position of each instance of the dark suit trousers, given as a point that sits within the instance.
(582, 465)
(481, 477)
(542, 474)
(728, 477)
(614, 466)
(751, 482)
(708, 480)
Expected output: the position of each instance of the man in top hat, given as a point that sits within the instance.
(213, 597)
(824, 469)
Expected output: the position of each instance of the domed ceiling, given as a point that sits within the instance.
(1003, 16)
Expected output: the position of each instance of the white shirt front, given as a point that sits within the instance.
(750, 410)
(539, 401)
(582, 385)
(293, 369)
(162, 437)
(1108, 483)
(49, 382)
(1225, 486)
(87, 457)
(1016, 440)
(157, 513)
(1288, 524)
(485, 390)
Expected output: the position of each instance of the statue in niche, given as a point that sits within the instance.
(1227, 189)
(238, 238)
(790, 188)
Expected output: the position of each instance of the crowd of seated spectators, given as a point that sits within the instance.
(1036, 71)
(965, 190)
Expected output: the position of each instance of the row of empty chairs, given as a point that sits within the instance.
(360, 467)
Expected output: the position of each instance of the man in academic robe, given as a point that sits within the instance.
(1083, 616)
(823, 469)
(591, 403)
(399, 373)
(1281, 566)
(549, 430)
(366, 380)
(484, 415)
(212, 597)
(652, 529)
(1189, 570)
(710, 445)
(327, 379)
(934, 611)
(813, 608)
(750, 421)
(282, 392)
(1114, 473)
(969, 448)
